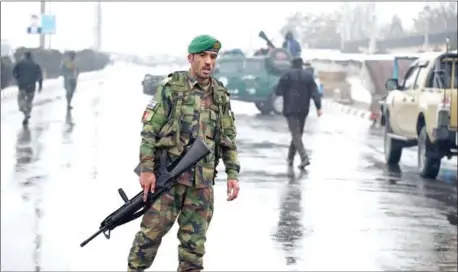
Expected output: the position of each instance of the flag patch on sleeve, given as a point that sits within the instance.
(147, 115)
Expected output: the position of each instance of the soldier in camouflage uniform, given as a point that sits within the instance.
(187, 105)
(70, 72)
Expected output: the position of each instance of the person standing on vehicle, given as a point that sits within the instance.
(27, 73)
(298, 87)
(70, 72)
(292, 45)
(187, 105)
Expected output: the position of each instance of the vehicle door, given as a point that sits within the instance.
(454, 97)
(444, 93)
(401, 103)
(255, 79)
(450, 85)
(411, 100)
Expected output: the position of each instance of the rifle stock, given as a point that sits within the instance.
(135, 207)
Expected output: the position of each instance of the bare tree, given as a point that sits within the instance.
(436, 18)
(394, 29)
(314, 30)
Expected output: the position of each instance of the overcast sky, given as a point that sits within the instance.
(151, 28)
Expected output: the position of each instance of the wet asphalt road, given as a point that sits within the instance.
(349, 211)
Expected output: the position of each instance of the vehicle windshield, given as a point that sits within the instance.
(253, 66)
(229, 67)
(239, 66)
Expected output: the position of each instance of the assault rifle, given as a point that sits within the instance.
(263, 36)
(165, 180)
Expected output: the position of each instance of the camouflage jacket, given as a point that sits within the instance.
(180, 111)
(69, 69)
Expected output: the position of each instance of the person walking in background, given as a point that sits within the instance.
(298, 87)
(27, 73)
(70, 72)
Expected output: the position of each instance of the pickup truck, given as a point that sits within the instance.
(422, 110)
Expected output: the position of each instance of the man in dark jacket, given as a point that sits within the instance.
(298, 87)
(27, 73)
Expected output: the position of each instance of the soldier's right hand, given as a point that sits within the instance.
(148, 183)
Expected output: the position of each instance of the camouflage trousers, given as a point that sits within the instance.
(194, 210)
(296, 127)
(25, 99)
(70, 87)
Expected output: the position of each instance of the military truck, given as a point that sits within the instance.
(254, 78)
(422, 110)
(150, 83)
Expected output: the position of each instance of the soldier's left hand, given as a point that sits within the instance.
(232, 189)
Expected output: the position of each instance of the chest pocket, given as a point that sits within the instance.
(187, 114)
(169, 136)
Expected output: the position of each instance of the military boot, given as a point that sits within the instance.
(304, 162)
(25, 122)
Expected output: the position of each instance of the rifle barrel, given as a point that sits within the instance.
(92, 237)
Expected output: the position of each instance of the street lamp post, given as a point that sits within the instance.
(42, 12)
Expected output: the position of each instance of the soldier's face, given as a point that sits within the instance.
(203, 64)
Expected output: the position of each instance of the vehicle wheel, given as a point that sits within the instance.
(392, 147)
(276, 103)
(263, 107)
(382, 116)
(428, 166)
(382, 120)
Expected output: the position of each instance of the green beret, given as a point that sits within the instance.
(204, 43)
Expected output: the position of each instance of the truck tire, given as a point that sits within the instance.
(264, 107)
(392, 147)
(276, 103)
(427, 166)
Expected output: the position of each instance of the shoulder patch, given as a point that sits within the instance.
(152, 103)
(147, 115)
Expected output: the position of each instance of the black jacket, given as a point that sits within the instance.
(27, 73)
(298, 87)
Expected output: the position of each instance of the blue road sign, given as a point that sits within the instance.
(42, 24)
(48, 24)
